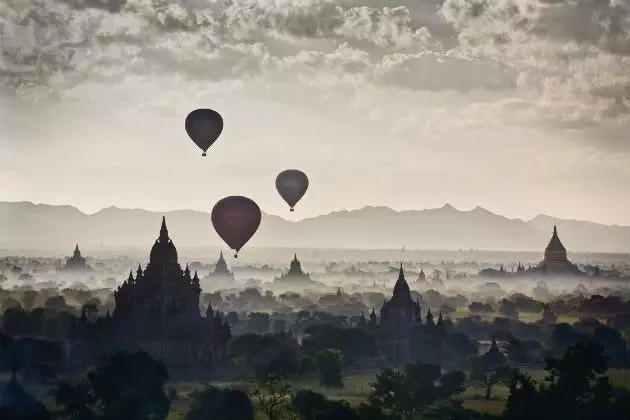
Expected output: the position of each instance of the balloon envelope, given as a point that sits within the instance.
(204, 126)
(236, 219)
(292, 185)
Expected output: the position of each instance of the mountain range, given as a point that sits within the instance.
(24, 225)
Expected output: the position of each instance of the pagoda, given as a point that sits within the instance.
(555, 261)
(398, 315)
(295, 276)
(221, 276)
(76, 262)
(158, 312)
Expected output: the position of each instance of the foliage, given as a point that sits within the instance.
(268, 354)
(129, 386)
(406, 393)
(356, 344)
(75, 400)
(329, 363)
(491, 369)
(272, 397)
(220, 404)
(574, 389)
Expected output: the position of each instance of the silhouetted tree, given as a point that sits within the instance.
(268, 354)
(406, 393)
(356, 344)
(329, 363)
(131, 386)
(272, 397)
(75, 400)
(574, 389)
(220, 404)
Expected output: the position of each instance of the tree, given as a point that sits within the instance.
(406, 393)
(328, 363)
(491, 369)
(268, 354)
(220, 404)
(75, 400)
(131, 386)
(574, 389)
(308, 404)
(272, 397)
(356, 344)
(453, 410)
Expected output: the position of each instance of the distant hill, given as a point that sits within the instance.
(26, 225)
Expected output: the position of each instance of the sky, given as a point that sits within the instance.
(518, 106)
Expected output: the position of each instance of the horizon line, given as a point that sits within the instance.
(367, 206)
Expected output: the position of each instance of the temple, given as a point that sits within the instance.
(555, 261)
(76, 262)
(397, 316)
(157, 311)
(220, 276)
(400, 321)
(422, 278)
(295, 276)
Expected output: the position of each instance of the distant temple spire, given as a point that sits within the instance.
(401, 288)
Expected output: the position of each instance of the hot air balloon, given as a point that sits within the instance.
(292, 185)
(204, 126)
(236, 219)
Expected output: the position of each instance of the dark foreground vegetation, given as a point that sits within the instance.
(486, 363)
(134, 386)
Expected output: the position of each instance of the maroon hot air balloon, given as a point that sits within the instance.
(236, 219)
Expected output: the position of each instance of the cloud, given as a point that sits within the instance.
(499, 61)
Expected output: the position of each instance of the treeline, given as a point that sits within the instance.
(133, 386)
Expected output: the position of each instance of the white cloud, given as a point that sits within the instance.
(513, 46)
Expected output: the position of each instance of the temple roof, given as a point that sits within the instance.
(221, 266)
(401, 288)
(163, 251)
(554, 242)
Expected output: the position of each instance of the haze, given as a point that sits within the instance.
(404, 104)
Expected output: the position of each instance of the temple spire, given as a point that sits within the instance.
(401, 288)
(163, 231)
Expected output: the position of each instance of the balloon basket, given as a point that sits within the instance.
(291, 209)
(236, 255)
(203, 154)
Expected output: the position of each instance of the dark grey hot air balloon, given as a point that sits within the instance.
(236, 219)
(204, 126)
(292, 185)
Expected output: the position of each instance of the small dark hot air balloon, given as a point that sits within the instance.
(236, 219)
(204, 126)
(292, 185)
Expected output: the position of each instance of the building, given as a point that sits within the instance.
(398, 315)
(221, 276)
(555, 261)
(158, 312)
(422, 278)
(295, 276)
(76, 262)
